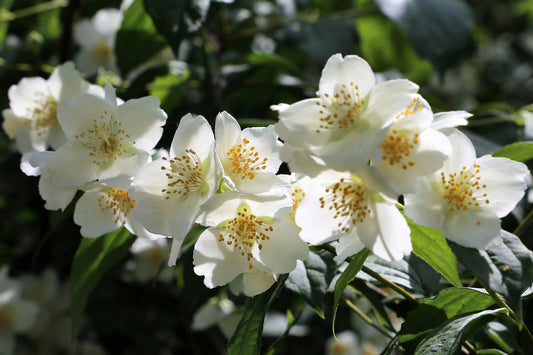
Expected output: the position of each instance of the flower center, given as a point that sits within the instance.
(243, 231)
(44, 113)
(349, 201)
(119, 202)
(7, 317)
(244, 160)
(461, 190)
(101, 52)
(341, 111)
(397, 146)
(185, 174)
(105, 140)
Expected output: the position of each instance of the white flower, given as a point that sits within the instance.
(32, 116)
(148, 258)
(342, 127)
(344, 343)
(467, 197)
(250, 158)
(411, 148)
(96, 37)
(357, 208)
(171, 190)
(104, 208)
(105, 140)
(248, 242)
(16, 314)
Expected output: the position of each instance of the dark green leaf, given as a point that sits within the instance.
(346, 277)
(505, 267)
(176, 18)
(391, 347)
(430, 245)
(137, 39)
(376, 300)
(311, 278)
(411, 272)
(449, 303)
(447, 339)
(93, 259)
(439, 30)
(247, 337)
(521, 151)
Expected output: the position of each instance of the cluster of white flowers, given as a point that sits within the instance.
(353, 151)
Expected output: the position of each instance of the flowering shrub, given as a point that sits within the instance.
(359, 196)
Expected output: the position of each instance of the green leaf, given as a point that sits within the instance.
(506, 267)
(137, 39)
(346, 277)
(311, 278)
(430, 245)
(169, 89)
(521, 151)
(439, 30)
(247, 337)
(176, 18)
(385, 46)
(93, 259)
(376, 300)
(411, 272)
(447, 339)
(5, 6)
(449, 303)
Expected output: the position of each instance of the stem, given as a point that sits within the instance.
(524, 224)
(32, 10)
(367, 319)
(391, 284)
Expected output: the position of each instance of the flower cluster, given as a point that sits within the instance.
(353, 150)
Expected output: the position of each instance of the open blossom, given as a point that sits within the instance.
(96, 37)
(105, 140)
(104, 208)
(149, 255)
(248, 242)
(171, 190)
(32, 116)
(342, 127)
(359, 209)
(16, 314)
(411, 148)
(249, 158)
(468, 196)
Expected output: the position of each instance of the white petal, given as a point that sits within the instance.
(56, 197)
(107, 21)
(227, 133)
(266, 143)
(65, 82)
(471, 228)
(345, 71)
(349, 245)
(127, 164)
(506, 183)
(216, 261)
(85, 33)
(22, 97)
(426, 205)
(194, 132)
(463, 154)
(72, 166)
(451, 119)
(387, 100)
(385, 232)
(11, 123)
(93, 219)
(78, 115)
(256, 282)
(280, 252)
(143, 120)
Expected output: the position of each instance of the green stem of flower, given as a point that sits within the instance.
(367, 319)
(391, 284)
(32, 10)
(524, 224)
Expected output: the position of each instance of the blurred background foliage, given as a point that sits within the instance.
(243, 56)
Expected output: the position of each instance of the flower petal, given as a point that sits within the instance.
(471, 228)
